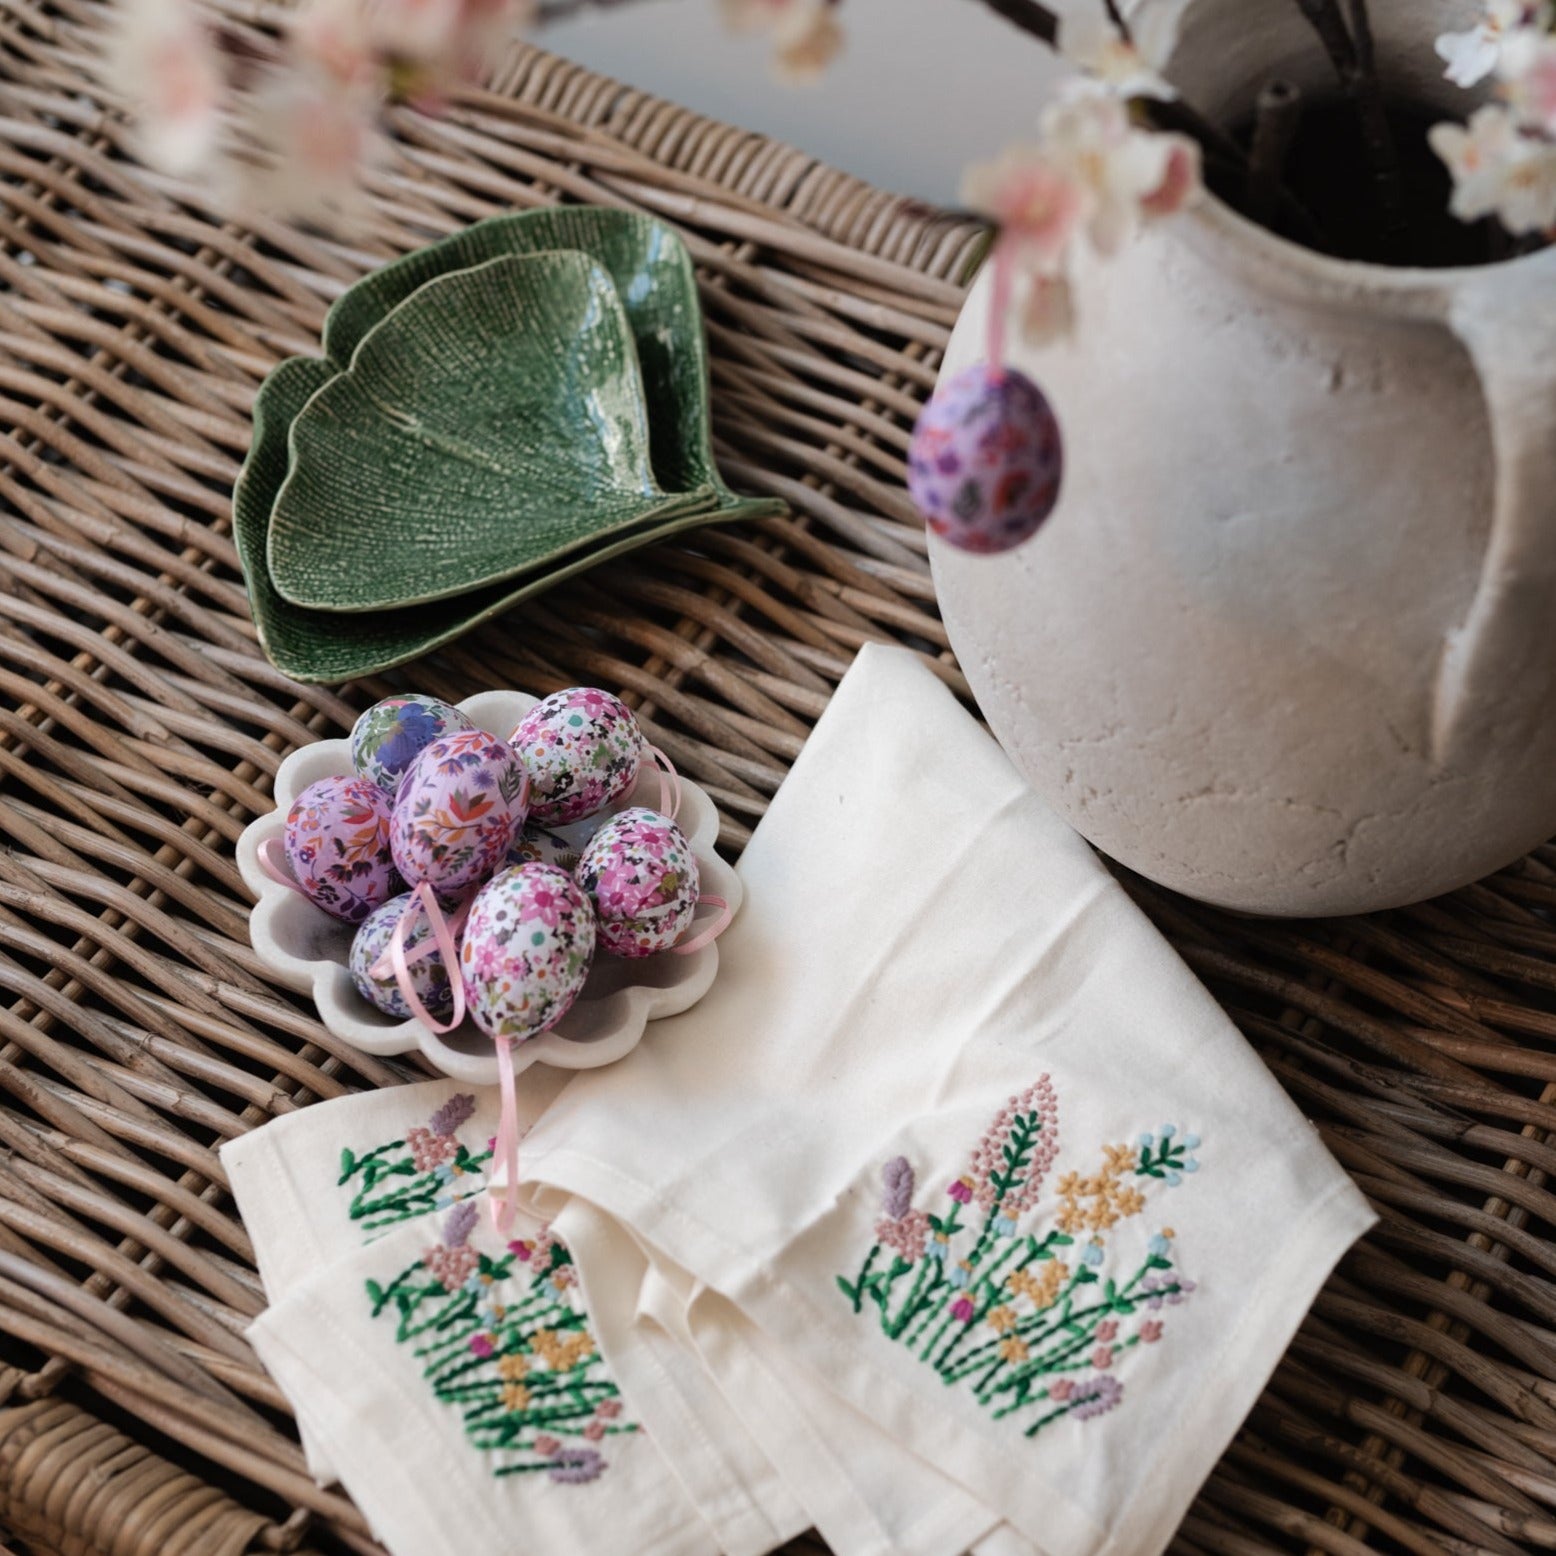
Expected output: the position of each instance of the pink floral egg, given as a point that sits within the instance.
(337, 843)
(986, 460)
(389, 737)
(528, 945)
(641, 875)
(428, 976)
(457, 811)
(583, 749)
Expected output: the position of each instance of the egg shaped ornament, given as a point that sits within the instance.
(387, 739)
(641, 875)
(337, 844)
(582, 748)
(458, 811)
(527, 949)
(986, 460)
(425, 969)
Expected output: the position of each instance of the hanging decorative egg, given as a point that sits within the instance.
(642, 878)
(582, 748)
(528, 945)
(457, 811)
(429, 978)
(337, 844)
(986, 460)
(389, 737)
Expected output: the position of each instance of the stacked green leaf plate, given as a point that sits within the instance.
(492, 414)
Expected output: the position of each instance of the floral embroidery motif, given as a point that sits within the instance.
(1034, 1331)
(506, 1342)
(429, 1169)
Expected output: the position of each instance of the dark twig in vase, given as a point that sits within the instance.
(1030, 17)
(1276, 116)
(1116, 16)
(1352, 58)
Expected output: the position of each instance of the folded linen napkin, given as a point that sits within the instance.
(914, 1133)
(454, 1379)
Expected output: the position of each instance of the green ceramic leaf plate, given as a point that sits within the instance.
(490, 425)
(325, 647)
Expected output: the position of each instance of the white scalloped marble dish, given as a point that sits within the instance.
(306, 949)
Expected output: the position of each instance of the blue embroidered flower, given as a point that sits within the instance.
(1173, 1177)
(1190, 1164)
(1167, 1131)
(1093, 1255)
(1146, 1141)
(1191, 1142)
(1158, 1246)
(1005, 1227)
(961, 1274)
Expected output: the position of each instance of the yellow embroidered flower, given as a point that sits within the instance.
(514, 1396)
(1129, 1201)
(1119, 1158)
(1002, 1319)
(511, 1366)
(1070, 1218)
(1070, 1185)
(1013, 1349)
(1101, 1216)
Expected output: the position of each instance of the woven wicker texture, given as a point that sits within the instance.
(140, 727)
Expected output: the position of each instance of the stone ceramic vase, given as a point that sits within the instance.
(1288, 642)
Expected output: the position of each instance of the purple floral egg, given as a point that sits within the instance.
(583, 749)
(428, 976)
(528, 944)
(986, 460)
(641, 875)
(337, 843)
(389, 737)
(539, 845)
(457, 811)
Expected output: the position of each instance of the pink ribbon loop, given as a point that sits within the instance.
(669, 782)
(397, 960)
(278, 869)
(706, 937)
(504, 1204)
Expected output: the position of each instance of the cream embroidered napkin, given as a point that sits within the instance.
(960, 1133)
(454, 1379)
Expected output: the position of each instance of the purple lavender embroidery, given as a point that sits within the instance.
(1095, 1397)
(576, 1466)
(459, 1224)
(456, 1111)
(897, 1180)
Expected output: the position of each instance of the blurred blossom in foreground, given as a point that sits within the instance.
(805, 33)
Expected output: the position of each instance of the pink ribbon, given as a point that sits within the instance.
(706, 937)
(505, 1147)
(397, 960)
(279, 871)
(669, 782)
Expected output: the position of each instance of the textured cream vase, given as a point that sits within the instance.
(1288, 642)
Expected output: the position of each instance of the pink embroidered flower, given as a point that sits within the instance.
(1107, 1329)
(961, 1191)
(563, 1276)
(1151, 1331)
(545, 1443)
(451, 1267)
(907, 1234)
(594, 1431)
(481, 1345)
(1013, 1158)
(608, 1409)
(962, 1310)
(1102, 1358)
(522, 1249)
(1062, 1389)
(430, 1149)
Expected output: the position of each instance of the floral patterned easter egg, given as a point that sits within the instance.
(389, 737)
(540, 845)
(583, 749)
(641, 875)
(337, 843)
(528, 944)
(986, 460)
(428, 976)
(457, 811)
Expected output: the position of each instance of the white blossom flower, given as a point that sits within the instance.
(165, 58)
(806, 34)
(1528, 72)
(1132, 66)
(1040, 206)
(1498, 171)
(1474, 55)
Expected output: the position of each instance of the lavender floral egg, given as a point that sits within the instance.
(337, 843)
(986, 460)
(457, 811)
(389, 737)
(641, 875)
(428, 976)
(583, 749)
(528, 944)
